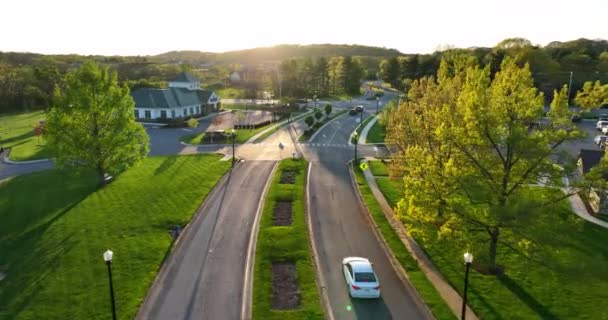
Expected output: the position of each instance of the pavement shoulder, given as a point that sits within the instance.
(6, 159)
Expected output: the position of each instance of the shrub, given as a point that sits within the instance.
(318, 115)
(192, 123)
(328, 109)
(309, 120)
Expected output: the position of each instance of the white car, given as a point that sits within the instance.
(605, 129)
(360, 277)
(601, 124)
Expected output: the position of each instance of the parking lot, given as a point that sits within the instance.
(574, 147)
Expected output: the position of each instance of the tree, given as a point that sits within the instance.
(92, 125)
(318, 114)
(328, 108)
(192, 123)
(390, 71)
(309, 121)
(468, 153)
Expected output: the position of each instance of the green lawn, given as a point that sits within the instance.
(564, 278)
(376, 133)
(417, 278)
(55, 227)
(308, 133)
(378, 168)
(230, 93)
(17, 133)
(282, 244)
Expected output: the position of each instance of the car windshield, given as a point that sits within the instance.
(365, 277)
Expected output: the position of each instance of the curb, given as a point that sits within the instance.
(322, 286)
(6, 159)
(367, 128)
(350, 137)
(153, 291)
(314, 135)
(401, 273)
(247, 298)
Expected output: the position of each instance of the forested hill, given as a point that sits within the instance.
(276, 54)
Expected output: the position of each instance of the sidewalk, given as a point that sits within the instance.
(449, 295)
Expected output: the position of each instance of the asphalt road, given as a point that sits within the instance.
(341, 228)
(204, 277)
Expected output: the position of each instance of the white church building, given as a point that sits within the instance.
(182, 99)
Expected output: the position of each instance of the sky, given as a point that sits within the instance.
(136, 27)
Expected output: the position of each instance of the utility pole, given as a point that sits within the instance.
(569, 86)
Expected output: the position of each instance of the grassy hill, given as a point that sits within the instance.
(276, 53)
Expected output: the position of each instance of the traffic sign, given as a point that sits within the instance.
(363, 166)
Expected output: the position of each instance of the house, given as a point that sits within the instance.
(182, 99)
(587, 159)
(235, 77)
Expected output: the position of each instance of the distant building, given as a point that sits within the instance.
(182, 99)
(235, 77)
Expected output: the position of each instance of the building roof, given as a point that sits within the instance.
(169, 97)
(185, 77)
(590, 159)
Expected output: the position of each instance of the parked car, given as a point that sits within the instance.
(599, 139)
(360, 277)
(605, 129)
(575, 118)
(601, 124)
(602, 117)
(359, 108)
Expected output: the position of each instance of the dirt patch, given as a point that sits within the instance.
(285, 290)
(288, 177)
(283, 213)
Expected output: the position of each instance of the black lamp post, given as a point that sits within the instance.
(377, 104)
(233, 138)
(468, 259)
(315, 99)
(107, 256)
(356, 136)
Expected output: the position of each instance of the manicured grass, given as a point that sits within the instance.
(17, 133)
(376, 134)
(562, 278)
(308, 133)
(56, 226)
(378, 168)
(230, 93)
(417, 278)
(285, 243)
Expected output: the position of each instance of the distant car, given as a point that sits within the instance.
(360, 277)
(600, 139)
(575, 118)
(352, 112)
(359, 108)
(602, 117)
(601, 124)
(605, 129)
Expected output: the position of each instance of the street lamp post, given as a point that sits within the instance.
(315, 99)
(233, 138)
(377, 104)
(107, 256)
(356, 135)
(468, 259)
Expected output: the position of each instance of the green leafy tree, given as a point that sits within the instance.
(473, 152)
(328, 108)
(309, 121)
(92, 125)
(318, 114)
(390, 71)
(192, 123)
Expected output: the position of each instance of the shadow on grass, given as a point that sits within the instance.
(168, 163)
(525, 297)
(35, 261)
(17, 138)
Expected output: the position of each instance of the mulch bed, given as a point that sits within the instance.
(288, 177)
(282, 213)
(285, 290)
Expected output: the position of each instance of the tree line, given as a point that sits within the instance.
(551, 66)
(308, 77)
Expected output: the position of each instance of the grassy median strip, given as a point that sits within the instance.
(242, 135)
(56, 225)
(278, 244)
(308, 133)
(377, 133)
(295, 117)
(417, 278)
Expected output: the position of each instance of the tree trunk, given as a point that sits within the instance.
(101, 176)
(494, 233)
